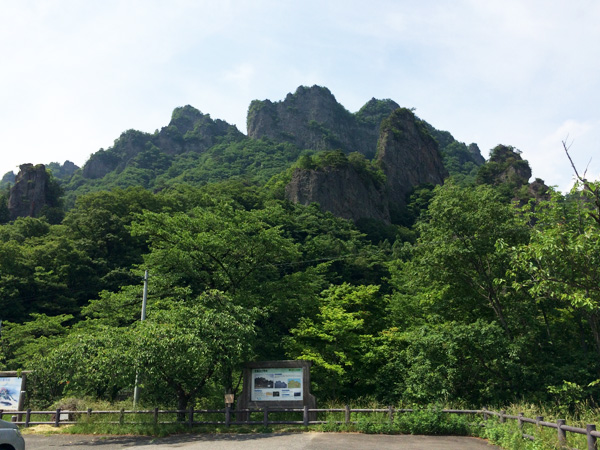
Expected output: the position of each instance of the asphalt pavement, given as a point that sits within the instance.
(257, 441)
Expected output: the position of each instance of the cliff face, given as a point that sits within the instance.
(408, 155)
(312, 118)
(341, 191)
(188, 131)
(30, 193)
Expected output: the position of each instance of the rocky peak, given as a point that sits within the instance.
(476, 154)
(312, 118)
(407, 156)
(505, 166)
(374, 111)
(8, 178)
(31, 192)
(188, 131)
(185, 117)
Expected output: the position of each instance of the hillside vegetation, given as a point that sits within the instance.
(482, 290)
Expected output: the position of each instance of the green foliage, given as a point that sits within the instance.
(337, 159)
(256, 160)
(176, 351)
(374, 111)
(433, 421)
(24, 343)
(451, 361)
(338, 339)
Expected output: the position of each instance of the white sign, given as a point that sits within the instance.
(276, 384)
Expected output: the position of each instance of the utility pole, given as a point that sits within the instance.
(136, 389)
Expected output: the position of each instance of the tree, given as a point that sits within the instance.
(562, 258)
(456, 257)
(338, 339)
(181, 348)
(220, 247)
(177, 350)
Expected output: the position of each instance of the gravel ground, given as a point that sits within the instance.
(257, 441)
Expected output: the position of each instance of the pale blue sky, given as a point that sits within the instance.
(76, 73)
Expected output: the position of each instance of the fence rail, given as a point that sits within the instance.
(63, 417)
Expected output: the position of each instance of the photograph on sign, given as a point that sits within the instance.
(276, 384)
(10, 392)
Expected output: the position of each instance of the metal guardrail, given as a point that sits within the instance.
(64, 417)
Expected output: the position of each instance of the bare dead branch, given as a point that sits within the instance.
(571, 161)
(590, 187)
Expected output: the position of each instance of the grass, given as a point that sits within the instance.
(509, 436)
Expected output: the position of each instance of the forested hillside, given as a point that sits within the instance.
(396, 259)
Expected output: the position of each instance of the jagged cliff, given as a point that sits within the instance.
(399, 151)
(341, 190)
(32, 192)
(312, 118)
(408, 155)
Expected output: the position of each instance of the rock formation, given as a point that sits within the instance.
(188, 131)
(30, 193)
(408, 155)
(312, 118)
(341, 191)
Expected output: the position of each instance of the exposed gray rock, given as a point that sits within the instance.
(341, 191)
(408, 155)
(312, 118)
(29, 194)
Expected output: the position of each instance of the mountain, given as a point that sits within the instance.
(364, 164)
(312, 118)
(407, 156)
(34, 193)
(188, 131)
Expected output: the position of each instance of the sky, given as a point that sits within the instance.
(75, 74)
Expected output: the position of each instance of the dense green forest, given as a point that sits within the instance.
(481, 295)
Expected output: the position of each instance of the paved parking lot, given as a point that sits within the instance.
(270, 441)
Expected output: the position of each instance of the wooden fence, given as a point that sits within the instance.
(62, 417)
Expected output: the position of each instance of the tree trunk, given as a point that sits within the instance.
(183, 400)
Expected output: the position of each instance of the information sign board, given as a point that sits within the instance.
(10, 393)
(277, 384)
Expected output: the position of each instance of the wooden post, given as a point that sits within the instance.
(57, 418)
(485, 415)
(305, 415)
(539, 419)
(591, 440)
(121, 416)
(89, 414)
(391, 414)
(347, 414)
(191, 419)
(521, 422)
(227, 416)
(562, 434)
(502, 418)
(27, 417)
(266, 417)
